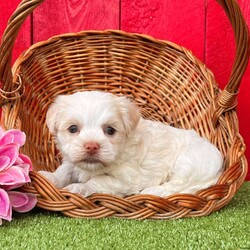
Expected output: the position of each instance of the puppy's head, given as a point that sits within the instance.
(91, 127)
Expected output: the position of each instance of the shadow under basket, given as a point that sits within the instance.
(165, 80)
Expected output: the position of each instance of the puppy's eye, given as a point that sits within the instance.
(109, 130)
(73, 129)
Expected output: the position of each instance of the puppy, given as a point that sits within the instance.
(108, 147)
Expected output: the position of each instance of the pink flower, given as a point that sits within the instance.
(5, 208)
(14, 172)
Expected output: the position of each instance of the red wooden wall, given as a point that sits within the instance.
(200, 25)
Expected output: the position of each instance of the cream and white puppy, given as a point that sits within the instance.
(108, 147)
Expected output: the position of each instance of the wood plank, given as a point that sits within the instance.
(181, 22)
(220, 54)
(244, 95)
(55, 17)
(220, 45)
(243, 113)
(23, 40)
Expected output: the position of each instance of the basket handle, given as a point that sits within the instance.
(24, 9)
(227, 99)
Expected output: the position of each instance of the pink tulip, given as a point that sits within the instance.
(14, 172)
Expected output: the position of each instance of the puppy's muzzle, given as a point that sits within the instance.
(91, 148)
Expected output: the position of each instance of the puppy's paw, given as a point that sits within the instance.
(50, 176)
(78, 188)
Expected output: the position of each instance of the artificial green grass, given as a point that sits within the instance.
(228, 228)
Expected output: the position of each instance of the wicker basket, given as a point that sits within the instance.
(164, 79)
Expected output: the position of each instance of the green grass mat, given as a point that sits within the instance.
(228, 228)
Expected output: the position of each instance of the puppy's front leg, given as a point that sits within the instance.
(100, 184)
(62, 177)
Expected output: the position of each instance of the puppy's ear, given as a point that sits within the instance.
(130, 113)
(53, 115)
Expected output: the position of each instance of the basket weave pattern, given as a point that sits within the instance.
(165, 80)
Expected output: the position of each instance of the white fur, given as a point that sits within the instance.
(142, 156)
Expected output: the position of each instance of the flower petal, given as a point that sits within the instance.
(12, 176)
(24, 159)
(5, 207)
(10, 151)
(6, 178)
(4, 162)
(12, 186)
(17, 199)
(6, 139)
(30, 203)
(13, 135)
(25, 169)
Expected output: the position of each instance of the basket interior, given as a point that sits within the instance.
(166, 81)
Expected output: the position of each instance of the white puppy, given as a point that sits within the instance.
(108, 147)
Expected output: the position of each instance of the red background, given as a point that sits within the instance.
(199, 25)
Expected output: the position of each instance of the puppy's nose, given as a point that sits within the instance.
(91, 147)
